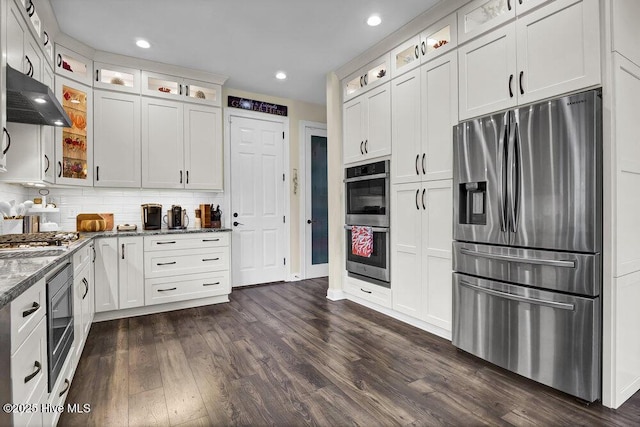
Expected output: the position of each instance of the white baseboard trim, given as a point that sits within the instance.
(335, 294)
(159, 308)
(428, 327)
(627, 392)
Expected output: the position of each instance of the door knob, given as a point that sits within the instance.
(236, 223)
(235, 214)
(309, 221)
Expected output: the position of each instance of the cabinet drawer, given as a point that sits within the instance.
(185, 241)
(60, 390)
(26, 312)
(81, 257)
(172, 289)
(34, 418)
(30, 359)
(367, 291)
(186, 261)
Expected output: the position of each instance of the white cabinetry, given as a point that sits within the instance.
(117, 139)
(130, 272)
(184, 267)
(511, 65)
(367, 125)
(25, 354)
(424, 111)
(178, 88)
(106, 274)
(73, 66)
(117, 78)
(421, 251)
(162, 143)
(82, 297)
(181, 145)
(374, 74)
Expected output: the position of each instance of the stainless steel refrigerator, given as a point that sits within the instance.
(528, 241)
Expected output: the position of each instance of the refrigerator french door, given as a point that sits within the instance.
(528, 240)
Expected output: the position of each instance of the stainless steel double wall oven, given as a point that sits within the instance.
(367, 202)
(528, 241)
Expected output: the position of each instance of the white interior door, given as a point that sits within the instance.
(257, 201)
(316, 218)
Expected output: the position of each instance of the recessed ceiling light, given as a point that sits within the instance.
(143, 44)
(40, 100)
(374, 20)
(281, 75)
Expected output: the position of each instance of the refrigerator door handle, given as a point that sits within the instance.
(502, 158)
(514, 197)
(536, 301)
(537, 261)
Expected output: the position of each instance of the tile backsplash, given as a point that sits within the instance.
(123, 203)
(15, 192)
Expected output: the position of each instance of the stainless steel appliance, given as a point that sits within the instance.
(151, 216)
(373, 269)
(528, 241)
(59, 320)
(367, 194)
(177, 218)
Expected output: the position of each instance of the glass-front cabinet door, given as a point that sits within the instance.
(480, 16)
(203, 93)
(74, 145)
(439, 38)
(73, 65)
(405, 57)
(113, 77)
(162, 85)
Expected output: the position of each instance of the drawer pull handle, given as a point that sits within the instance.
(210, 259)
(166, 263)
(167, 290)
(66, 389)
(32, 310)
(210, 240)
(210, 284)
(166, 243)
(365, 291)
(86, 287)
(32, 376)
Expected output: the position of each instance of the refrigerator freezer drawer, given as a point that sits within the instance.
(579, 274)
(549, 337)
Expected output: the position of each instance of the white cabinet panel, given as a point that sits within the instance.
(439, 114)
(353, 117)
(203, 161)
(106, 274)
(487, 73)
(480, 16)
(117, 139)
(558, 49)
(378, 122)
(130, 272)
(162, 144)
(406, 117)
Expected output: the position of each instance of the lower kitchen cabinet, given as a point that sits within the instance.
(82, 300)
(421, 251)
(130, 272)
(106, 274)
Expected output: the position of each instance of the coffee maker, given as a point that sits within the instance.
(151, 216)
(176, 217)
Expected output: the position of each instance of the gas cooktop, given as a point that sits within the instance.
(47, 240)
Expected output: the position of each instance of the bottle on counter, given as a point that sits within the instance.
(197, 223)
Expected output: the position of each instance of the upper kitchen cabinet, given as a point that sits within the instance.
(203, 160)
(162, 143)
(178, 88)
(424, 110)
(113, 77)
(436, 40)
(181, 145)
(23, 51)
(367, 78)
(367, 125)
(480, 16)
(511, 65)
(74, 66)
(117, 139)
(74, 145)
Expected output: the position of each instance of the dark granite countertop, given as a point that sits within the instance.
(22, 268)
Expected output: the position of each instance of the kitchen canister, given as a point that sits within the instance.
(12, 226)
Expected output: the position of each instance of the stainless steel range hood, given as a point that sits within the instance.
(29, 101)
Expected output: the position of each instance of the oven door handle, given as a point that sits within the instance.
(505, 295)
(367, 177)
(537, 261)
(374, 229)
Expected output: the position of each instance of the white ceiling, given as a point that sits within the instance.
(247, 40)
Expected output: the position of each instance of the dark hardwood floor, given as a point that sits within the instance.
(284, 355)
